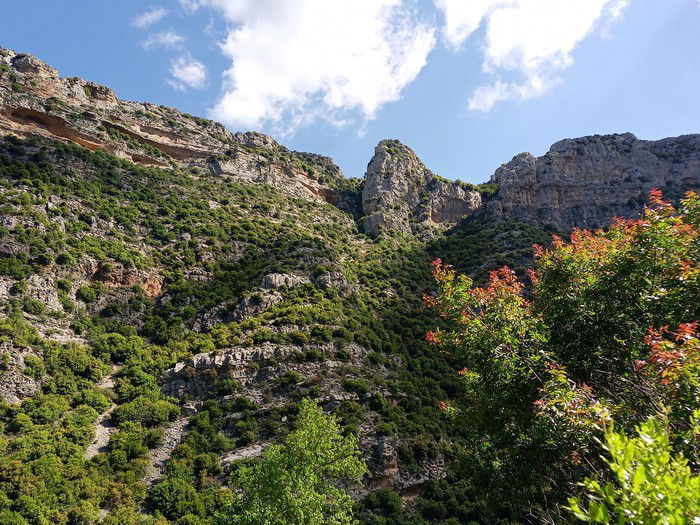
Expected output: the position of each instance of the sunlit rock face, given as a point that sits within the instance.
(587, 181)
(401, 195)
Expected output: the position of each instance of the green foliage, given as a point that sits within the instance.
(87, 294)
(146, 411)
(650, 484)
(297, 482)
(612, 309)
(212, 240)
(175, 498)
(33, 366)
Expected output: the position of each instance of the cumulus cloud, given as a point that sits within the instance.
(166, 39)
(296, 62)
(148, 18)
(531, 38)
(187, 71)
(462, 17)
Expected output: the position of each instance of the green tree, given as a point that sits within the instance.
(608, 329)
(650, 485)
(300, 481)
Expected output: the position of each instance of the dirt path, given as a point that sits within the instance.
(158, 456)
(103, 424)
(103, 430)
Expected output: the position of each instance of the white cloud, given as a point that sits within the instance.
(148, 18)
(296, 62)
(187, 72)
(532, 38)
(487, 96)
(463, 17)
(167, 39)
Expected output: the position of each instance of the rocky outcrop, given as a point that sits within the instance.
(268, 294)
(34, 100)
(267, 375)
(15, 384)
(587, 181)
(401, 195)
(199, 375)
(582, 182)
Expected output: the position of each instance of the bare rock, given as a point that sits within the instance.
(279, 281)
(401, 195)
(35, 100)
(43, 288)
(587, 181)
(14, 384)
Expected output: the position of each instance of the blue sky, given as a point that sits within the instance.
(466, 83)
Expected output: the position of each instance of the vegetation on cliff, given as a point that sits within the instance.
(115, 274)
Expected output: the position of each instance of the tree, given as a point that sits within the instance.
(650, 485)
(607, 329)
(301, 481)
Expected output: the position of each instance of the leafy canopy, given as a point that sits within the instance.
(299, 482)
(650, 485)
(607, 331)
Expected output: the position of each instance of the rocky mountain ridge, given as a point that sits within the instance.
(34, 100)
(169, 291)
(582, 182)
(401, 195)
(587, 181)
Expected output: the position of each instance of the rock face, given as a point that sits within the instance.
(587, 181)
(262, 373)
(581, 182)
(34, 100)
(400, 194)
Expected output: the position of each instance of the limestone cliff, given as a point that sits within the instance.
(587, 181)
(34, 100)
(400, 194)
(582, 182)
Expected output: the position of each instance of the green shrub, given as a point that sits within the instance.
(33, 307)
(65, 259)
(359, 386)
(33, 366)
(87, 294)
(289, 378)
(649, 483)
(176, 498)
(227, 387)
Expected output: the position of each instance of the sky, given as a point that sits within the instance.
(467, 84)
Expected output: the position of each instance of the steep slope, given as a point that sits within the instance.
(34, 100)
(210, 291)
(169, 291)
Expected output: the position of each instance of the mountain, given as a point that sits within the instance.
(585, 182)
(170, 291)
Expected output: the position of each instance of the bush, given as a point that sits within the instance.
(385, 501)
(33, 307)
(146, 411)
(227, 386)
(86, 294)
(118, 348)
(359, 386)
(289, 378)
(65, 259)
(33, 366)
(649, 484)
(176, 498)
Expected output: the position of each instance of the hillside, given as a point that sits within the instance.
(170, 291)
